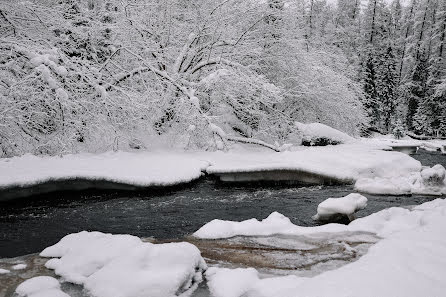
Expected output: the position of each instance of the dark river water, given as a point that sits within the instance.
(29, 225)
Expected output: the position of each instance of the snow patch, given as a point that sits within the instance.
(40, 286)
(19, 266)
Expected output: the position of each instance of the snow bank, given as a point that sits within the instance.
(346, 206)
(139, 169)
(320, 134)
(124, 266)
(40, 286)
(345, 163)
(409, 261)
(342, 164)
(429, 181)
(275, 223)
(4, 271)
(382, 223)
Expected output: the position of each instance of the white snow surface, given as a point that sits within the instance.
(408, 262)
(313, 131)
(41, 286)
(429, 181)
(19, 266)
(140, 169)
(124, 266)
(347, 205)
(346, 163)
(4, 271)
(382, 223)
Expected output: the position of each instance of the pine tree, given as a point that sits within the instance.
(417, 89)
(386, 85)
(370, 91)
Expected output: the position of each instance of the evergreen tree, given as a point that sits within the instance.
(370, 91)
(417, 89)
(386, 85)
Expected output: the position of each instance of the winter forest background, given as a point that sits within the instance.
(96, 75)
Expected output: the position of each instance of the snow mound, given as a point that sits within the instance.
(124, 266)
(40, 286)
(4, 271)
(317, 134)
(429, 181)
(408, 262)
(346, 206)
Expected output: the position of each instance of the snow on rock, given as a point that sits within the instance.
(346, 206)
(139, 169)
(434, 176)
(124, 266)
(40, 286)
(19, 266)
(320, 134)
(429, 181)
(4, 271)
(408, 261)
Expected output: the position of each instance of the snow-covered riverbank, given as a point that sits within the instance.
(342, 163)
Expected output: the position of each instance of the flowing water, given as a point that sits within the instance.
(29, 225)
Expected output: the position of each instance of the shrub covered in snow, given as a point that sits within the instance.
(317, 134)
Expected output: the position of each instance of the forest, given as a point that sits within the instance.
(99, 75)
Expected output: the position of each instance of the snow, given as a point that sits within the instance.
(381, 223)
(40, 286)
(124, 266)
(347, 205)
(224, 282)
(313, 131)
(429, 181)
(408, 261)
(4, 271)
(61, 94)
(139, 169)
(19, 266)
(275, 223)
(344, 163)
